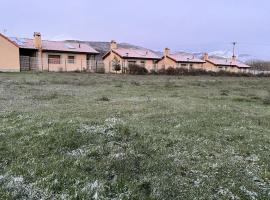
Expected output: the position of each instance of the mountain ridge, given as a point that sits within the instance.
(103, 47)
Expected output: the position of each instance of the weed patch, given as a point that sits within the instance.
(103, 98)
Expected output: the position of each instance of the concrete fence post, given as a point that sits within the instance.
(81, 65)
(66, 65)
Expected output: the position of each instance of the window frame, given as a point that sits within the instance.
(71, 61)
(143, 63)
(54, 61)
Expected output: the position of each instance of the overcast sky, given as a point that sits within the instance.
(190, 25)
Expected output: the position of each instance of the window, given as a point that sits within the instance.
(131, 63)
(191, 65)
(71, 59)
(54, 59)
(143, 63)
(183, 65)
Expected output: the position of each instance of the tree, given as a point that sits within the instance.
(116, 65)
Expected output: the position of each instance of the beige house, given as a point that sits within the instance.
(22, 54)
(179, 60)
(126, 57)
(230, 65)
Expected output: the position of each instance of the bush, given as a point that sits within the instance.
(266, 100)
(104, 98)
(182, 71)
(198, 72)
(100, 71)
(137, 70)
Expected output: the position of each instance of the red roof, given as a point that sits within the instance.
(55, 45)
(185, 57)
(227, 62)
(134, 53)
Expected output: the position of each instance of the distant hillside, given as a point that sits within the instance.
(228, 54)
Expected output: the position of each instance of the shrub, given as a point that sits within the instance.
(77, 71)
(153, 72)
(135, 83)
(104, 98)
(199, 72)
(266, 100)
(137, 70)
(224, 92)
(171, 71)
(117, 68)
(100, 70)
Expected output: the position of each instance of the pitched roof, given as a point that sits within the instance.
(185, 57)
(227, 62)
(134, 53)
(47, 45)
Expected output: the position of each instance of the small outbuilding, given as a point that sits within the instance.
(123, 58)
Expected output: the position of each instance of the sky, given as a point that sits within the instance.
(181, 25)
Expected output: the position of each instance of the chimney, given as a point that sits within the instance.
(205, 57)
(113, 45)
(37, 40)
(234, 58)
(166, 52)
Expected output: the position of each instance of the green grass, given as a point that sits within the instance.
(86, 136)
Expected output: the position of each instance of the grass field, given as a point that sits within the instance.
(87, 136)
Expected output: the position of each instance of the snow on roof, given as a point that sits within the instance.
(54, 45)
(185, 57)
(227, 62)
(135, 53)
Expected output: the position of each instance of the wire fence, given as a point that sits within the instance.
(97, 66)
(60, 65)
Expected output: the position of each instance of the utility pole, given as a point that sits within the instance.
(234, 44)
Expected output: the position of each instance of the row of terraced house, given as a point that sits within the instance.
(22, 54)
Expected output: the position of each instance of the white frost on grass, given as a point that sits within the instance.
(93, 189)
(225, 192)
(79, 152)
(253, 158)
(17, 187)
(118, 156)
(252, 195)
(108, 128)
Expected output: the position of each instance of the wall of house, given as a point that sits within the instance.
(167, 62)
(233, 69)
(210, 67)
(9, 56)
(148, 64)
(80, 63)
